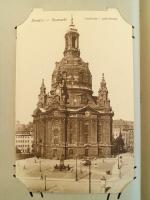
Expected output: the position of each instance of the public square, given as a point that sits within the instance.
(40, 175)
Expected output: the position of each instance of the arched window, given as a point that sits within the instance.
(74, 42)
(55, 132)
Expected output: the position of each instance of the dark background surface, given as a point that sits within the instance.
(145, 97)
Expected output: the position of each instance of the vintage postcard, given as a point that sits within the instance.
(74, 102)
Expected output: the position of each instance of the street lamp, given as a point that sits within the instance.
(120, 166)
(89, 164)
(104, 179)
(24, 167)
(45, 183)
(76, 167)
(40, 165)
(118, 157)
(119, 147)
(45, 188)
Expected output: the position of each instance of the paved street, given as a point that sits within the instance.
(34, 167)
(32, 173)
(63, 185)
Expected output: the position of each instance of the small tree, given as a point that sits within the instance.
(114, 147)
(120, 144)
(28, 150)
(18, 150)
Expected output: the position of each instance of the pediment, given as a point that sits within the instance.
(87, 109)
(55, 111)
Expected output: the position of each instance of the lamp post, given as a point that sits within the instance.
(44, 177)
(120, 166)
(45, 188)
(40, 165)
(90, 178)
(34, 159)
(89, 164)
(119, 146)
(118, 157)
(104, 179)
(76, 167)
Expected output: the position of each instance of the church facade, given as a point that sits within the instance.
(69, 120)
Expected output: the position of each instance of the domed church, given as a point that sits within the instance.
(69, 120)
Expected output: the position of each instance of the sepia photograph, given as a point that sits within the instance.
(74, 102)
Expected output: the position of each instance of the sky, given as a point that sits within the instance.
(105, 43)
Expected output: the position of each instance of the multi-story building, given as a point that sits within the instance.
(24, 138)
(69, 120)
(126, 129)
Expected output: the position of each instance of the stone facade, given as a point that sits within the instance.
(24, 138)
(69, 120)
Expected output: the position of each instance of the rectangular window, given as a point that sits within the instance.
(86, 152)
(70, 125)
(71, 138)
(86, 128)
(86, 138)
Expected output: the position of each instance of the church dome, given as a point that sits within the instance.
(73, 69)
